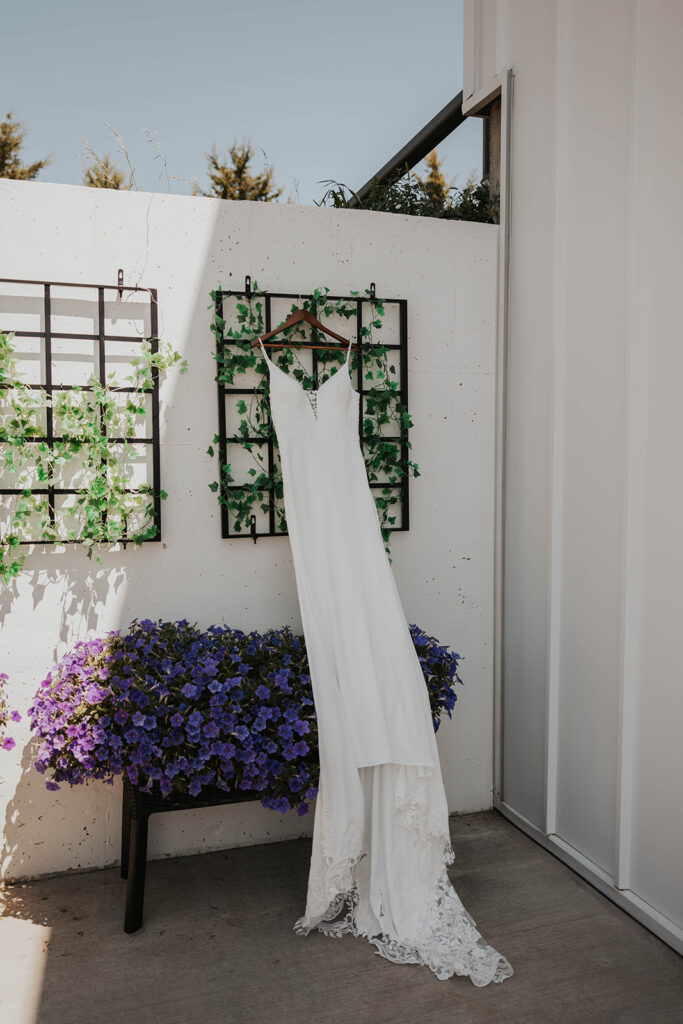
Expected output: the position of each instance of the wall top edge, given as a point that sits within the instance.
(96, 196)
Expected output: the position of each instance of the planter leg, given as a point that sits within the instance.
(135, 892)
(125, 832)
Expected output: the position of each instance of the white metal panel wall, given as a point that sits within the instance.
(592, 689)
(588, 501)
(654, 694)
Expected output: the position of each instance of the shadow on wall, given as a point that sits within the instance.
(33, 818)
(83, 595)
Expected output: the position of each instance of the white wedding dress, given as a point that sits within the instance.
(381, 843)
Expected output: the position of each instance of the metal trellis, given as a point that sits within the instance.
(396, 345)
(102, 342)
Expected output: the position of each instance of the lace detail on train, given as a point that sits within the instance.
(425, 818)
(443, 936)
(448, 942)
(336, 853)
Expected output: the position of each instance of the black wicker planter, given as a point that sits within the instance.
(136, 809)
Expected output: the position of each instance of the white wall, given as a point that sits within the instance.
(185, 246)
(593, 549)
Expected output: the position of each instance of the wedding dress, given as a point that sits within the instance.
(381, 842)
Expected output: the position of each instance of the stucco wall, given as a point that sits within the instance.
(184, 246)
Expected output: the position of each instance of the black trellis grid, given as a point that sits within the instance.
(400, 348)
(102, 339)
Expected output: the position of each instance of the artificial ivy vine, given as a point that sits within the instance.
(83, 422)
(382, 409)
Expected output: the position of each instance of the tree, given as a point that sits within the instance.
(102, 173)
(237, 181)
(435, 185)
(12, 134)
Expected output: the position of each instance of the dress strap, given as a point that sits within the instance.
(263, 349)
(348, 353)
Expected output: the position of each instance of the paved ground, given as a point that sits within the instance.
(217, 947)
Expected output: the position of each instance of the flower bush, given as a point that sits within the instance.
(6, 742)
(179, 709)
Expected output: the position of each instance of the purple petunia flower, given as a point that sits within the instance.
(177, 708)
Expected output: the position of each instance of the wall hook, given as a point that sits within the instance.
(120, 283)
(253, 528)
(247, 284)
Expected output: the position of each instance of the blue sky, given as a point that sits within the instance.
(322, 90)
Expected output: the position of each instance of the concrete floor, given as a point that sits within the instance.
(217, 947)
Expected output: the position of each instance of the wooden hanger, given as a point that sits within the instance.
(296, 317)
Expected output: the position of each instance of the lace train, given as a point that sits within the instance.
(435, 929)
(450, 943)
